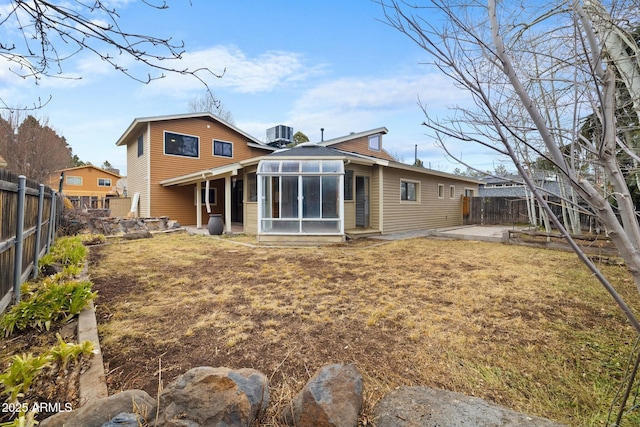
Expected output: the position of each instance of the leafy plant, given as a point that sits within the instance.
(49, 303)
(21, 373)
(24, 419)
(65, 352)
(67, 251)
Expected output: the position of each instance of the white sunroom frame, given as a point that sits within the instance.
(300, 219)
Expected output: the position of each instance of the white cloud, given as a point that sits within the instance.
(241, 73)
(356, 104)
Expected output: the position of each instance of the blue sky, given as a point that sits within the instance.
(329, 64)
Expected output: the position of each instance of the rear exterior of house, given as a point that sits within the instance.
(162, 148)
(311, 193)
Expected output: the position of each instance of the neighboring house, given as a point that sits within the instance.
(319, 192)
(513, 186)
(86, 186)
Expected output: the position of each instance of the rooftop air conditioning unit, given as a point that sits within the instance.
(279, 136)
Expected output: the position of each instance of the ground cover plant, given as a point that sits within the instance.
(527, 328)
(39, 362)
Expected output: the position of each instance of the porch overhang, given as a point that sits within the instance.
(204, 175)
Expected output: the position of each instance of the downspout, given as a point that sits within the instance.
(198, 205)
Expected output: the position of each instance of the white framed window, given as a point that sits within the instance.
(409, 190)
(440, 191)
(222, 148)
(73, 180)
(452, 191)
(104, 182)
(374, 142)
(177, 144)
(140, 145)
(213, 197)
(469, 192)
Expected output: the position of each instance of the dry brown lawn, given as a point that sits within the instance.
(527, 328)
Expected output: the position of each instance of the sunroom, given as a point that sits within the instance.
(300, 199)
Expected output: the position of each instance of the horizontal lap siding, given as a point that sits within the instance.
(251, 217)
(430, 211)
(178, 202)
(374, 198)
(361, 145)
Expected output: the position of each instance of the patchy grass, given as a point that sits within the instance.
(527, 328)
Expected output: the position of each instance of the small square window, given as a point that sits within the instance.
(374, 142)
(222, 148)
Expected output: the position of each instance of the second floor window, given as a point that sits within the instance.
(181, 145)
(104, 182)
(74, 180)
(222, 148)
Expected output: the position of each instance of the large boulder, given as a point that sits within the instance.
(331, 398)
(208, 397)
(427, 407)
(101, 411)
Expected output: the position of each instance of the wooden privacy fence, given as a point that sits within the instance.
(511, 210)
(28, 213)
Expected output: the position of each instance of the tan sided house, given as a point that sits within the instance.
(86, 186)
(312, 192)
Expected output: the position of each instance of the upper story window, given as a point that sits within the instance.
(181, 145)
(140, 145)
(104, 182)
(374, 142)
(74, 180)
(222, 148)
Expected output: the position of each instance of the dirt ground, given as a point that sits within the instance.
(526, 328)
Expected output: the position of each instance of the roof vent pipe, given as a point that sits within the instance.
(321, 134)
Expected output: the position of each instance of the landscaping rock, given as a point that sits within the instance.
(427, 407)
(134, 235)
(206, 396)
(125, 420)
(332, 398)
(101, 411)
